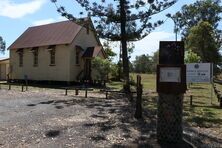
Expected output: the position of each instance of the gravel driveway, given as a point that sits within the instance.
(40, 119)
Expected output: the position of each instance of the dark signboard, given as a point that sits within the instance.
(171, 71)
(171, 52)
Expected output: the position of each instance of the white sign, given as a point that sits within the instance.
(170, 74)
(198, 72)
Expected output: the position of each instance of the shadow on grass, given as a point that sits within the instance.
(197, 87)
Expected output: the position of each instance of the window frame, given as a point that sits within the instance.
(20, 57)
(52, 56)
(35, 56)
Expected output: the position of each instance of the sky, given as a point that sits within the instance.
(17, 15)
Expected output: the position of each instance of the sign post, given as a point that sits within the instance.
(200, 73)
(171, 85)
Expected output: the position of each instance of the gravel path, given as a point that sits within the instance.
(51, 119)
(40, 119)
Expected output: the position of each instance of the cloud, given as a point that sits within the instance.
(44, 21)
(150, 44)
(10, 9)
(48, 21)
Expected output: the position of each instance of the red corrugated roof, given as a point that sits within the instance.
(3, 59)
(50, 34)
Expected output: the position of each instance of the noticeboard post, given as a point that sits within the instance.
(171, 85)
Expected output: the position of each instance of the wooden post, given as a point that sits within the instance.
(22, 87)
(9, 86)
(106, 94)
(138, 112)
(77, 92)
(86, 93)
(191, 100)
(26, 84)
(66, 92)
(221, 101)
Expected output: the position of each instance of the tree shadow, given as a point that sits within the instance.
(52, 133)
(123, 119)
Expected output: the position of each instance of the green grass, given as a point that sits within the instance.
(205, 111)
(201, 114)
(148, 82)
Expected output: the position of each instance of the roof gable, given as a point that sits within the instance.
(50, 34)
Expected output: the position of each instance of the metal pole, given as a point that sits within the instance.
(175, 28)
(212, 71)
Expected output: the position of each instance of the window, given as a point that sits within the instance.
(35, 56)
(52, 57)
(20, 56)
(51, 49)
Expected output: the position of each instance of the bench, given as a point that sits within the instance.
(77, 88)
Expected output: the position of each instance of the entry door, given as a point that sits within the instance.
(88, 69)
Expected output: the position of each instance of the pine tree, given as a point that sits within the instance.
(2, 45)
(121, 20)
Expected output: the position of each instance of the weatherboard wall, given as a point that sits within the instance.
(44, 71)
(4, 69)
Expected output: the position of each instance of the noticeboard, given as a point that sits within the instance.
(171, 52)
(171, 79)
(170, 74)
(199, 73)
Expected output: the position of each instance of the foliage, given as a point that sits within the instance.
(107, 16)
(114, 72)
(142, 64)
(191, 57)
(108, 50)
(155, 61)
(101, 67)
(201, 10)
(201, 40)
(122, 20)
(2, 45)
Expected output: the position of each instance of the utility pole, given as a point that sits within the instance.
(175, 21)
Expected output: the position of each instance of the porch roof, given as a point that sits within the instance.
(92, 52)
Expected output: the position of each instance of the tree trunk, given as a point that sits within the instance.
(124, 46)
(169, 121)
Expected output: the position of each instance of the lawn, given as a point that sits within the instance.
(204, 112)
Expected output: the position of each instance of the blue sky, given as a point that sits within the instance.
(17, 15)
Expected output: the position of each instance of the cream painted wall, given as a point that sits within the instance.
(59, 72)
(65, 68)
(4, 69)
(84, 40)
